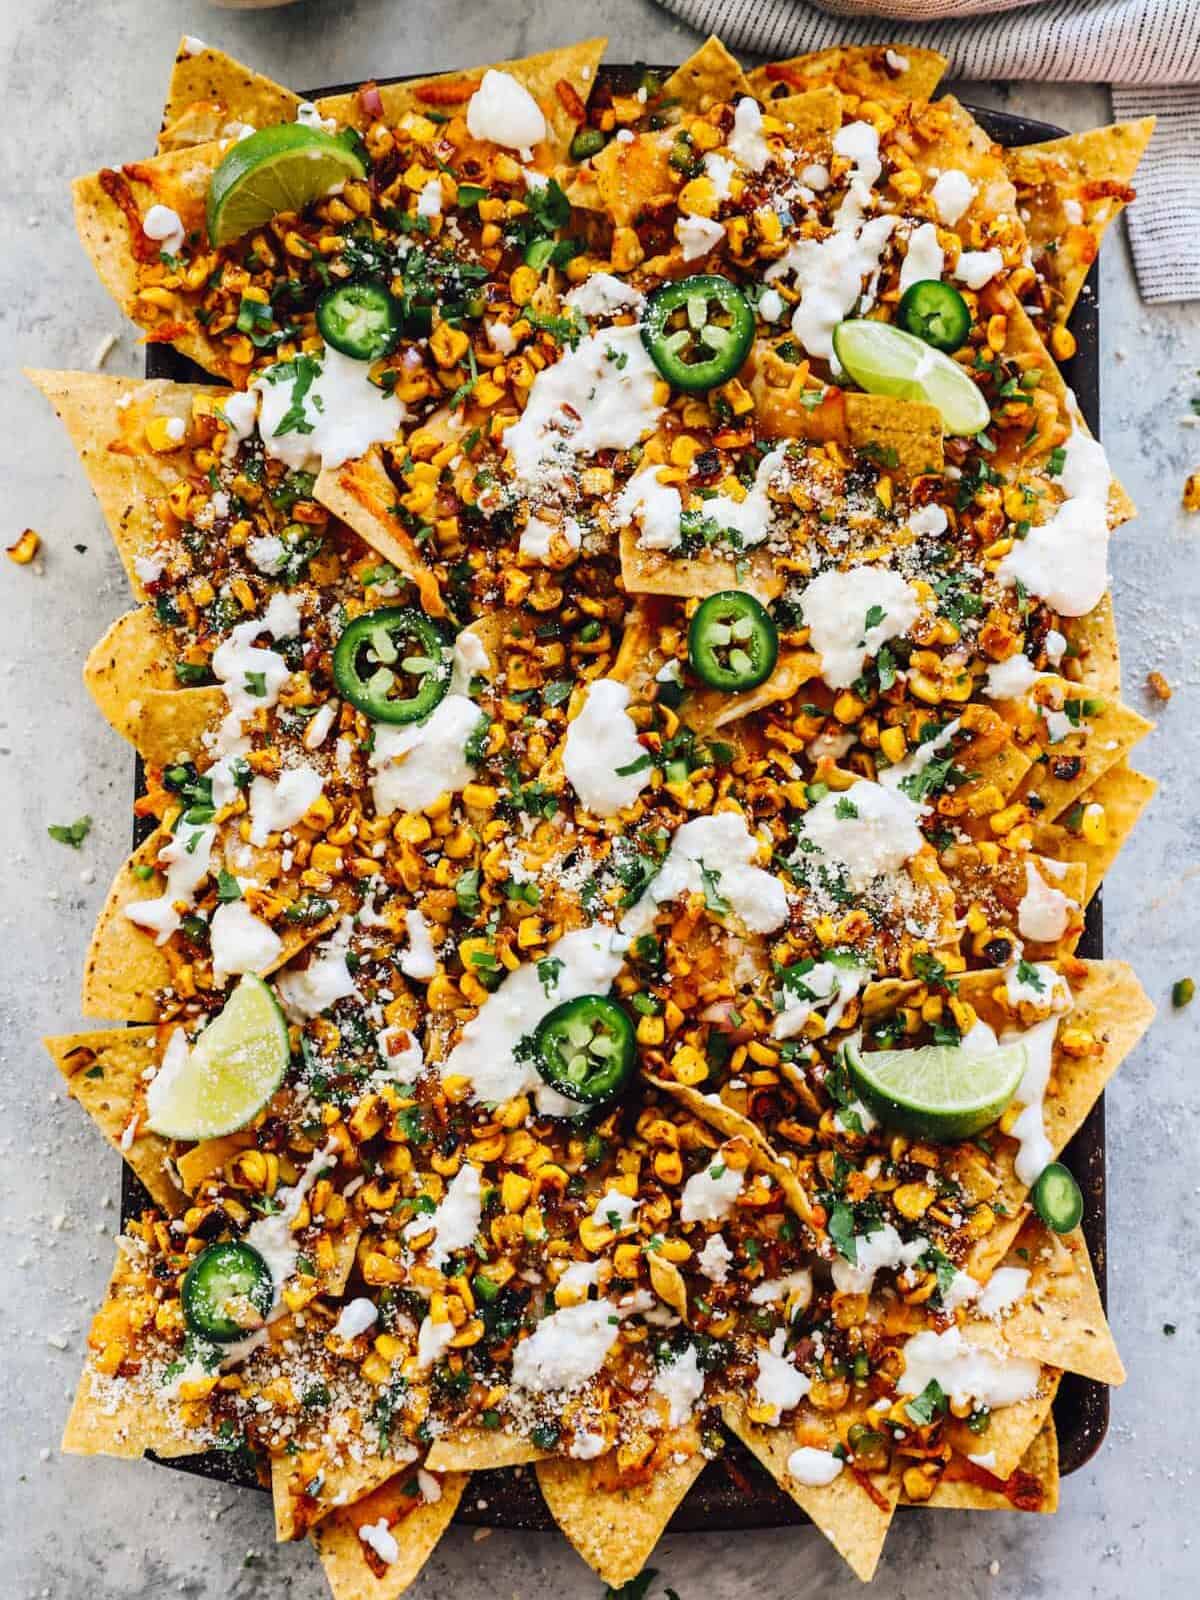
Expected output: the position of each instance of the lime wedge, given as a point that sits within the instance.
(228, 1075)
(885, 360)
(939, 1092)
(276, 169)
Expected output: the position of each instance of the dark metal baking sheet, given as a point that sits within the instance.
(735, 1492)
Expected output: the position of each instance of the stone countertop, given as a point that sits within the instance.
(83, 86)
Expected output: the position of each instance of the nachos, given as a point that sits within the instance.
(623, 661)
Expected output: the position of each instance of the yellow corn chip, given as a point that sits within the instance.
(344, 1554)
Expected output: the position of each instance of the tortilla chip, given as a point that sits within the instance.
(343, 1553)
(862, 70)
(1070, 880)
(706, 710)
(362, 495)
(115, 1417)
(628, 179)
(847, 1513)
(659, 572)
(1093, 642)
(1011, 1429)
(1060, 1318)
(214, 79)
(131, 676)
(1090, 170)
(966, 1493)
(105, 1070)
(205, 1159)
(179, 179)
(813, 113)
(906, 435)
(1109, 1002)
(480, 1450)
(341, 1484)
(124, 966)
(1111, 733)
(709, 77)
(710, 1109)
(559, 80)
(1124, 794)
(614, 1530)
(1025, 345)
(101, 415)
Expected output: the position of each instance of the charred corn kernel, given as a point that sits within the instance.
(919, 1482)
(906, 182)
(488, 393)
(515, 1191)
(164, 434)
(627, 1260)
(376, 1370)
(699, 197)
(668, 1166)
(523, 285)
(997, 332)
(481, 795)
(738, 397)
(196, 1388)
(688, 1066)
(893, 744)
(25, 548)
(1077, 1041)
(1002, 822)
(627, 250)
(1191, 492)
(675, 1250)
(161, 299)
(1094, 823)
(449, 345)
(848, 707)
(530, 933)
(770, 228)
(913, 1200)
(1062, 343)
(651, 1030)
(326, 858)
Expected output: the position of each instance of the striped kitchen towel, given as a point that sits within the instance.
(1149, 50)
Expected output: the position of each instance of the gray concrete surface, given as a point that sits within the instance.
(83, 83)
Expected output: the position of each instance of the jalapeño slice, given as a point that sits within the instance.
(227, 1292)
(698, 331)
(936, 313)
(362, 320)
(1057, 1198)
(584, 1048)
(732, 643)
(392, 664)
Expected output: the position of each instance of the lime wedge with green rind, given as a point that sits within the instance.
(228, 1075)
(937, 1092)
(283, 168)
(885, 360)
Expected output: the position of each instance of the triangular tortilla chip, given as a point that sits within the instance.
(117, 1416)
(109, 206)
(813, 113)
(1011, 1429)
(210, 77)
(869, 71)
(614, 1530)
(105, 1070)
(708, 709)
(124, 966)
(963, 1487)
(1069, 190)
(710, 1109)
(658, 572)
(1109, 735)
(710, 76)
(343, 1553)
(1059, 1318)
(362, 495)
(131, 677)
(1093, 642)
(559, 80)
(1124, 795)
(102, 415)
(341, 1484)
(852, 1514)
(480, 1450)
